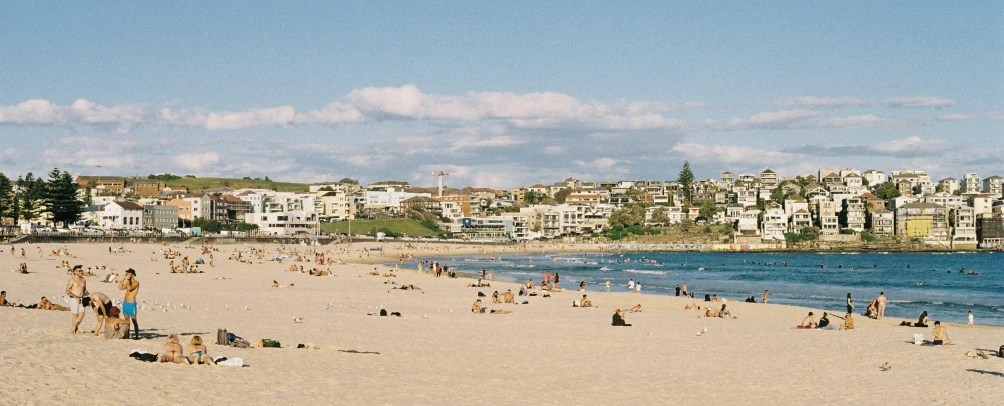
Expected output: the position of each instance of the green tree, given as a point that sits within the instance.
(348, 181)
(630, 215)
(62, 198)
(207, 225)
(30, 197)
(659, 216)
(532, 197)
(887, 191)
(6, 196)
(777, 195)
(708, 209)
(562, 194)
(686, 180)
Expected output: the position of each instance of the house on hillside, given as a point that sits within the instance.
(121, 215)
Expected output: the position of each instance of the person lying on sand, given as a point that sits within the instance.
(636, 308)
(197, 352)
(173, 351)
(940, 334)
(409, 287)
(808, 322)
(500, 312)
(477, 307)
(710, 312)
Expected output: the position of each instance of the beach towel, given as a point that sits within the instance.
(231, 362)
(918, 339)
(142, 355)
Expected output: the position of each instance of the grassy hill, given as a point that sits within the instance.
(205, 183)
(409, 227)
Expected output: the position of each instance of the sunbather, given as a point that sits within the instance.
(173, 351)
(585, 302)
(197, 352)
(477, 307)
(940, 334)
(808, 322)
(848, 322)
(618, 319)
(636, 308)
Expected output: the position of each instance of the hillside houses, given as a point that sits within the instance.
(759, 206)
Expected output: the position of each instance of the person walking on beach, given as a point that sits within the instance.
(970, 317)
(76, 289)
(850, 305)
(677, 290)
(131, 286)
(556, 280)
(637, 287)
(608, 290)
(765, 294)
(630, 285)
(881, 305)
(684, 288)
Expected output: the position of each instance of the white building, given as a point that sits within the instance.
(993, 186)
(775, 223)
(121, 215)
(875, 177)
(387, 199)
(965, 226)
(971, 184)
(284, 223)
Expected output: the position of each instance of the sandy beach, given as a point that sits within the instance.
(545, 352)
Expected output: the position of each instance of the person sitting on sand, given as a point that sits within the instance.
(585, 302)
(848, 322)
(940, 334)
(495, 297)
(724, 313)
(636, 308)
(529, 284)
(872, 310)
(173, 351)
(508, 296)
(618, 319)
(808, 322)
(3, 299)
(116, 326)
(275, 284)
(197, 352)
(823, 321)
(922, 320)
(477, 307)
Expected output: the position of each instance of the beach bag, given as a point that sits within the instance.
(918, 339)
(1000, 353)
(222, 337)
(267, 343)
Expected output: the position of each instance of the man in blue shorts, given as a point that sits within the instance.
(131, 286)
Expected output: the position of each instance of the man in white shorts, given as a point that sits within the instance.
(77, 289)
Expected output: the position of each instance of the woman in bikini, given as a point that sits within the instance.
(173, 351)
(197, 352)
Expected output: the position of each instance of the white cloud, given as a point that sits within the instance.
(82, 111)
(733, 154)
(598, 163)
(197, 161)
(555, 149)
(915, 145)
(792, 119)
(278, 116)
(892, 102)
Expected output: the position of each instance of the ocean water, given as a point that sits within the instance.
(912, 282)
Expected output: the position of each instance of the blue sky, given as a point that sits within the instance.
(500, 94)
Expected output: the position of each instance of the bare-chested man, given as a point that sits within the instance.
(101, 305)
(76, 289)
(131, 286)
